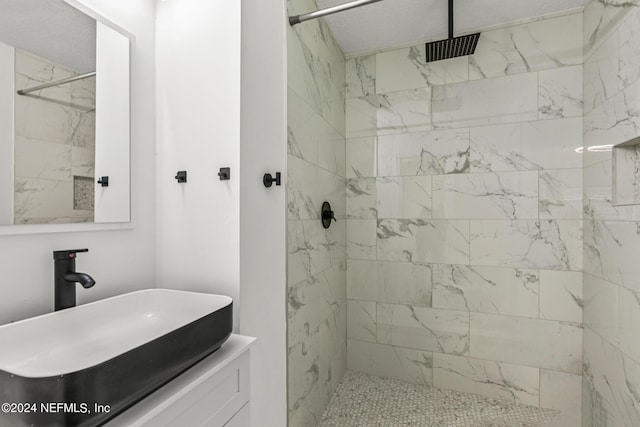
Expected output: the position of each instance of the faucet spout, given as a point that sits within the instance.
(84, 279)
(66, 278)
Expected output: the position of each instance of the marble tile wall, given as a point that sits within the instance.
(316, 261)
(54, 142)
(465, 216)
(611, 356)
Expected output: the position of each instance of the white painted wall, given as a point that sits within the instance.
(7, 84)
(120, 261)
(226, 237)
(262, 210)
(112, 125)
(198, 130)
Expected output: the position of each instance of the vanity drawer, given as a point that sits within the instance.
(211, 403)
(213, 393)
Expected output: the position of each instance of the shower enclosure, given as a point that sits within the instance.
(480, 245)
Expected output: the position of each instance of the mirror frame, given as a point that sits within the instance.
(26, 229)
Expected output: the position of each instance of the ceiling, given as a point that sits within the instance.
(391, 23)
(51, 29)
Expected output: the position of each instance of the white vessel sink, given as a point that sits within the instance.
(112, 352)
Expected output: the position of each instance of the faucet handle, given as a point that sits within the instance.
(67, 254)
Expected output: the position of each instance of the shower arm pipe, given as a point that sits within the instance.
(293, 20)
(57, 83)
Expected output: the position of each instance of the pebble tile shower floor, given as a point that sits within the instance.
(362, 400)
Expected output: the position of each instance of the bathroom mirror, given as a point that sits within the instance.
(64, 115)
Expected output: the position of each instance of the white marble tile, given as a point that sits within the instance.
(629, 39)
(531, 342)
(310, 375)
(496, 290)
(302, 191)
(361, 76)
(596, 147)
(539, 45)
(45, 121)
(32, 70)
(43, 160)
(404, 197)
(83, 94)
(629, 318)
(601, 307)
(317, 70)
(609, 250)
(85, 131)
(312, 301)
(562, 392)
(547, 144)
(331, 149)
(83, 162)
(361, 320)
(519, 384)
(404, 283)
(335, 278)
(597, 180)
(506, 195)
(405, 364)
(601, 80)
(602, 16)
(402, 69)
(424, 153)
(338, 368)
(598, 195)
(561, 295)
(312, 249)
(484, 102)
(308, 186)
(316, 35)
(560, 194)
(423, 241)
(390, 282)
(302, 253)
(41, 198)
(443, 331)
(593, 262)
(361, 198)
(362, 280)
(397, 112)
(560, 93)
(545, 244)
(616, 378)
(361, 157)
(614, 122)
(361, 239)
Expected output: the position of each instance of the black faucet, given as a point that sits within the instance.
(66, 277)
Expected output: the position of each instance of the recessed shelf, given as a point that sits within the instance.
(626, 173)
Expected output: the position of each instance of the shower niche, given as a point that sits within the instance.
(626, 173)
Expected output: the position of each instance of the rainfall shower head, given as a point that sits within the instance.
(452, 47)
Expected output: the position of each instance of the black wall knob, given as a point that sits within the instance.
(104, 181)
(224, 174)
(181, 176)
(268, 180)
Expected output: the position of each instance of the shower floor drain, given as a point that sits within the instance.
(362, 400)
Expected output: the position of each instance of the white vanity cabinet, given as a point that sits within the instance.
(215, 392)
